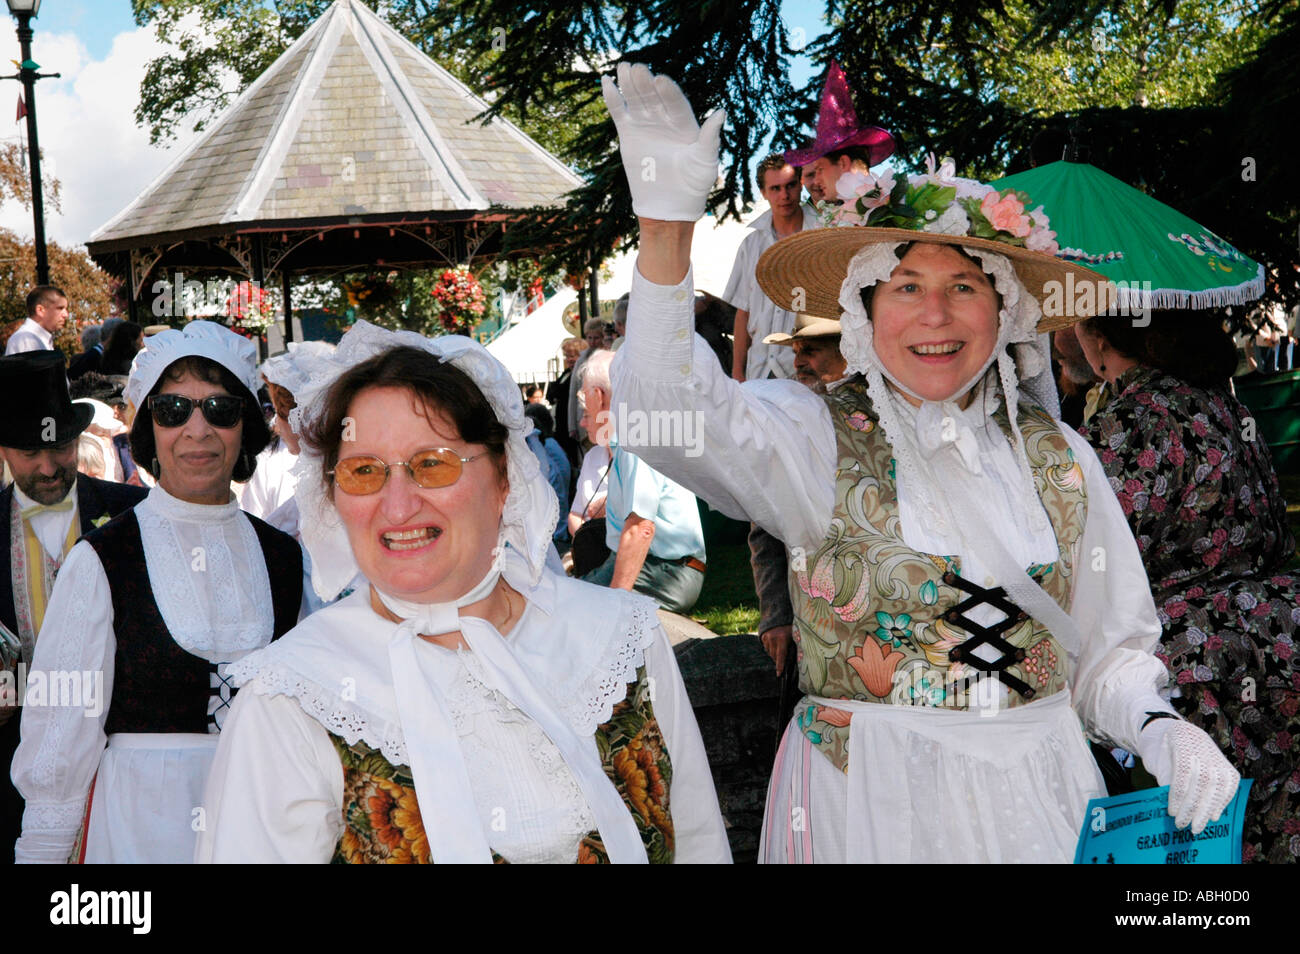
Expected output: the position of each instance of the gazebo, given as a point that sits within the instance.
(353, 150)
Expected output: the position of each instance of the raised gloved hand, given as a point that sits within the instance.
(671, 161)
(1201, 781)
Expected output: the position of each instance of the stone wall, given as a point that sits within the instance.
(736, 697)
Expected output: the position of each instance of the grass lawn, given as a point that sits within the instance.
(727, 603)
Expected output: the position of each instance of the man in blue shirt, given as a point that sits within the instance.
(652, 525)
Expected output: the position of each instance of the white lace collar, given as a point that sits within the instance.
(173, 508)
(581, 645)
(208, 575)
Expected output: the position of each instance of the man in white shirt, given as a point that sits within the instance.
(756, 315)
(47, 312)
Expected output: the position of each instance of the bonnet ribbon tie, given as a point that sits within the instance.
(452, 823)
(942, 424)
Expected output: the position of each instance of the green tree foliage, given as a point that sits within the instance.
(1169, 95)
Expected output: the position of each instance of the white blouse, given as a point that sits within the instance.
(770, 456)
(210, 582)
(276, 789)
(272, 484)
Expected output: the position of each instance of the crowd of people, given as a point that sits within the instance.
(375, 603)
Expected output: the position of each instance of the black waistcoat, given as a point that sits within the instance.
(157, 685)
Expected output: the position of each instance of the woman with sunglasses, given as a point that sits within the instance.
(129, 687)
(463, 704)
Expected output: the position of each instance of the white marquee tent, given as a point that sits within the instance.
(527, 348)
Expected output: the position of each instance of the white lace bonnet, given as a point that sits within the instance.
(292, 370)
(205, 339)
(531, 509)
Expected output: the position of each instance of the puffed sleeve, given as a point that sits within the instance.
(1116, 679)
(275, 794)
(700, 835)
(61, 745)
(762, 451)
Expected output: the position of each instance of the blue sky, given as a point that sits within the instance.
(94, 22)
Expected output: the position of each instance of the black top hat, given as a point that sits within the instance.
(38, 414)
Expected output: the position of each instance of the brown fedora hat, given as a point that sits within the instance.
(808, 269)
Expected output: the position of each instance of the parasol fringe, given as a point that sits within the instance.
(1132, 298)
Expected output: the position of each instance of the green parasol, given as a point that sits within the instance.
(1158, 257)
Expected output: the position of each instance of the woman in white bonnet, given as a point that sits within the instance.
(965, 587)
(150, 609)
(464, 703)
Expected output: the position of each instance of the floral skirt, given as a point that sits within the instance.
(1233, 659)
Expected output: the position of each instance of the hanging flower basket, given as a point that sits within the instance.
(249, 311)
(461, 300)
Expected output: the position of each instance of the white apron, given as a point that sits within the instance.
(147, 802)
(930, 785)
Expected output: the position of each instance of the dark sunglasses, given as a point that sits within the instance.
(219, 410)
(436, 467)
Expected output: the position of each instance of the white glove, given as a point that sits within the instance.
(1201, 781)
(671, 162)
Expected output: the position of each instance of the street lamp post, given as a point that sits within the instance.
(24, 11)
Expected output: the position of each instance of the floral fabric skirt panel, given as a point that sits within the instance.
(143, 806)
(933, 786)
(1232, 656)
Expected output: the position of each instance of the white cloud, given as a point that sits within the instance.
(89, 138)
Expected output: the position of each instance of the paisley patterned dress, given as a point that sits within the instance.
(1200, 493)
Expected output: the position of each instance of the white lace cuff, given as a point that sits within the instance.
(49, 832)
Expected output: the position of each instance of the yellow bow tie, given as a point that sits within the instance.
(65, 504)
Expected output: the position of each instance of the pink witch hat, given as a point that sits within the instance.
(837, 126)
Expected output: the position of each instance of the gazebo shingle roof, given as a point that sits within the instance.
(351, 120)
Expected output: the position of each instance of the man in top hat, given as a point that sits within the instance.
(48, 506)
(842, 144)
(47, 312)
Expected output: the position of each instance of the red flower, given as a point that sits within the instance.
(1284, 740)
(1147, 458)
(1184, 677)
(1133, 485)
(1175, 608)
(1214, 642)
(1282, 649)
(1214, 456)
(1176, 455)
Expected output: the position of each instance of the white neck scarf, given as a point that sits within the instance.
(441, 778)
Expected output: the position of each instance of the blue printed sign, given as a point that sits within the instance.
(1136, 829)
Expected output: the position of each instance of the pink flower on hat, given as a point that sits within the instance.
(1006, 214)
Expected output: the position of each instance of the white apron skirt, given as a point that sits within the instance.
(146, 806)
(928, 785)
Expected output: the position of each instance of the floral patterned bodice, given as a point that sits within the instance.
(383, 824)
(870, 611)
